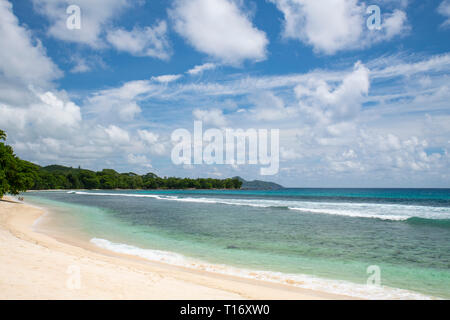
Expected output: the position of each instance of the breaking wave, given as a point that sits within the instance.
(414, 214)
(298, 280)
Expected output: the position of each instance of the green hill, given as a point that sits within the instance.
(258, 185)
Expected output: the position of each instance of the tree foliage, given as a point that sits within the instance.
(16, 175)
(57, 177)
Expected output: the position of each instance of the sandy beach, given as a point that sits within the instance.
(37, 266)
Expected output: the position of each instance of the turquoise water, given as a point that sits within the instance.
(310, 233)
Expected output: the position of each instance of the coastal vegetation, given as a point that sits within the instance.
(259, 185)
(15, 174)
(18, 175)
(60, 177)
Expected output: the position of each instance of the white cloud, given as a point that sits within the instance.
(391, 67)
(49, 115)
(381, 69)
(167, 78)
(119, 103)
(152, 140)
(201, 68)
(397, 153)
(326, 104)
(213, 117)
(117, 135)
(289, 154)
(54, 110)
(220, 29)
(142, 42)
(444, 9)
(330, 26)
(148, 137)
(140, 160)
(44, 125)
(81, 66)
(22, 58)
(53, 130)
(96, 17)
(97, 28)
(394, 24)
(269, 107)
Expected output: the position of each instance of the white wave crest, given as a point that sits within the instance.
(339, 287)
(393, 212)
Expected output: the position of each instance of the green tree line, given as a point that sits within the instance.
(18, 175)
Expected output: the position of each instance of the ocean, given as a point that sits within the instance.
(334, 240)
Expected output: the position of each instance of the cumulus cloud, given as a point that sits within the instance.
(330, 26)
(50, 116)
(28, 105)
(140, 160)
(119, 103)
(152, 140)
(402, 154)
(374, 154)
(53, 130)
(289, 154)
(45, 126)
(22, 59)
(220, 29)
(83, 64)
(97, 29)
(213, 117)
(117, 135)
(269, 107)
(167, 78)
(201, 68)
(148, 137)
(394, 24)
(444, 9)
(142, 42)
(96, 17)
(326, 104)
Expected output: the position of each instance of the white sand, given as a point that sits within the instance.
(36, 266)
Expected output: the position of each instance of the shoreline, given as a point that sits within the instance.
(38, 266)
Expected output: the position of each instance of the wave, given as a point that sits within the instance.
(443, 223)
(355, 214)
(298, 280)
(392, 212)
(114, 194)
(153, 255)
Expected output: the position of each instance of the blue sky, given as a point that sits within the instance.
(355, 107)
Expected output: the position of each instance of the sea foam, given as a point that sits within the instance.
(384, 211)
(298, 280)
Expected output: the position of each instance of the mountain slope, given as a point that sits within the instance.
(259, 185)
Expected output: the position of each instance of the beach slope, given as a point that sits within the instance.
(36, 266)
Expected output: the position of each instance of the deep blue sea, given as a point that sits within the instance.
(326, 239)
